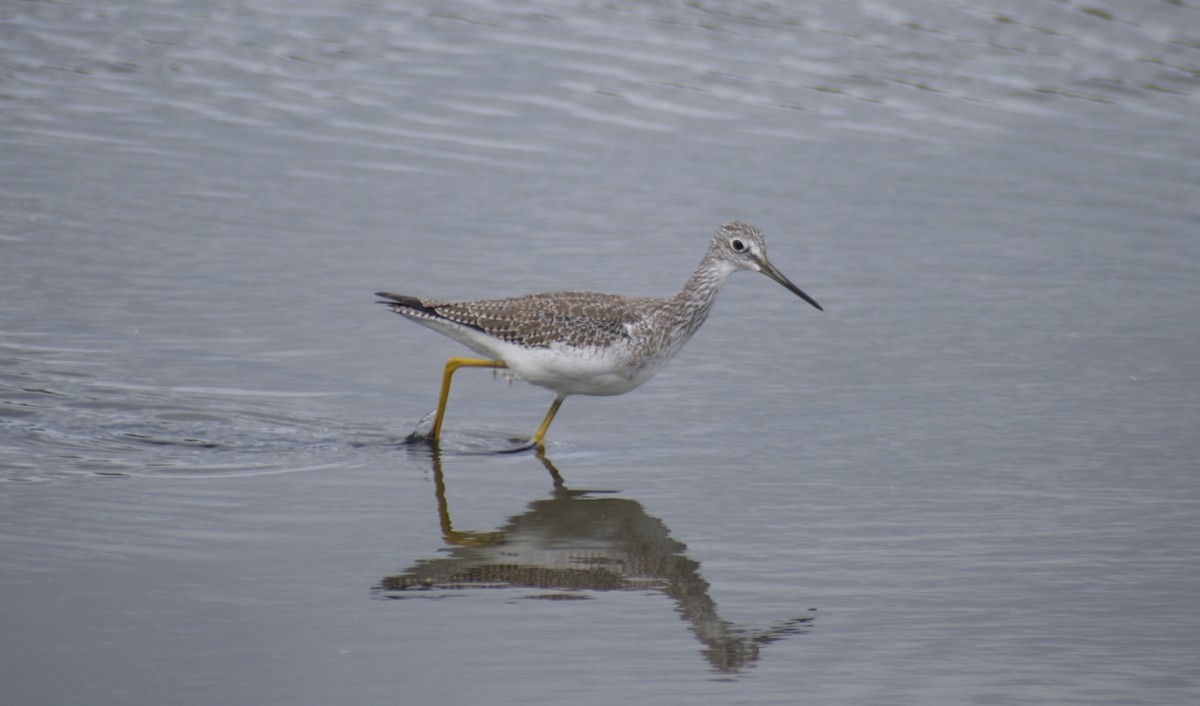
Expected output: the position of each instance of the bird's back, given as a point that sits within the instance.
(574, 319)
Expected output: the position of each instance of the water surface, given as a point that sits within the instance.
(972, 479)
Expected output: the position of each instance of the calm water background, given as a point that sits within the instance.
(978, 465)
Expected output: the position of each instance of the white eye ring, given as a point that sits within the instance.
(737, 245)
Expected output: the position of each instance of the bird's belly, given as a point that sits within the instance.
(580, 371)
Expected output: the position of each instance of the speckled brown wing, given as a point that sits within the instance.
(579, 319)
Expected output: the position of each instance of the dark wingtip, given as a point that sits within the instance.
(398, 299)
(402, 303)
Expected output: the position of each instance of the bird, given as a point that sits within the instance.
(587, 343)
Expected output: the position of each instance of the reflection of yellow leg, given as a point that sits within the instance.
(451, 536)
(541, 430)
(540, 452)
(461, 538)
(453, 364)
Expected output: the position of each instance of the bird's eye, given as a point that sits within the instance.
(737, 245)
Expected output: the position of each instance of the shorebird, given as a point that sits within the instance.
(587, 343)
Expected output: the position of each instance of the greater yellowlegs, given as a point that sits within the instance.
(586, 343)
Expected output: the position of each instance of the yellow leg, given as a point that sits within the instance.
(541, 430)
(453, 364)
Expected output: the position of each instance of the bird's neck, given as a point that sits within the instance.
(691, 305)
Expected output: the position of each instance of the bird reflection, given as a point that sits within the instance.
(579, 540)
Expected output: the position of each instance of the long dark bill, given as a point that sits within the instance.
(769, 270)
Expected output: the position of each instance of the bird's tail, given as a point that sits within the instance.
(396, 302)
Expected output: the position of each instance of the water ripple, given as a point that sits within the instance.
(57, 420)
(895, 64)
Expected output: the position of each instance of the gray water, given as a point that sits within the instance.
(972, 479)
